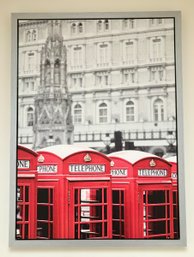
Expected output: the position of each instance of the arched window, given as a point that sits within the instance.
(73, 28)
(30, 117)
(130, 111)
(77, 114)
(80, 27)
(158, 110)
(103, 113)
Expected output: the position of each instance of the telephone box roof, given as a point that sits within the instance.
(132, 156)
(172, 159)
(26, 149)
(64, 151)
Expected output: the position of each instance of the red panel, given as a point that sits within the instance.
(87, 163)
(26, 194)
(152, 172)
(27, 154)
(152, 167)
(49, 164)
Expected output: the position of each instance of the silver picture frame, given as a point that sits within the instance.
(13, 242)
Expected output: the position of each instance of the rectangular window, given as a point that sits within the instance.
(131, 23)
(103, 54)
(74, 82)
(126, 77)
(31, 62)
(78, 116)
(80, 82)
(161, 75)
(152, 75)
(130, 113)
(30, 119)
(77, 57)
(103, 116)
(32, 86)
(160, 21)
(132, 77)
(106, 79)
(157, 49)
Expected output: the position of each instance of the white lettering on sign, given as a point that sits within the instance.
(47, 168)
(86, 168)
(23, 164)
(152, 173)
(119, 172)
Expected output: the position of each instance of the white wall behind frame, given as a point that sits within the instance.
(7, 7)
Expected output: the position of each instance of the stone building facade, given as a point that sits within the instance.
(120, 74)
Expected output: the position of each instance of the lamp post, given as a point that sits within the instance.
(171, 138)
(107, 141)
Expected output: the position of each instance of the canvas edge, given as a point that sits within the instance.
(96, 243)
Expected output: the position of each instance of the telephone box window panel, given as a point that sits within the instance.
(97, 134)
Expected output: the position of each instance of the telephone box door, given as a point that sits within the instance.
(155, 217)
(26, 209)
(89, 210)
(120, 211)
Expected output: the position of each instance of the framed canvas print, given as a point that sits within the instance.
(97, 134)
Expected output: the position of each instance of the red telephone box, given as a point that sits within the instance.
(74, 193)
(142, 198)
(173, 162)
(26, 194)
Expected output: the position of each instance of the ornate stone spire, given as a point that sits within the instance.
(53, 122)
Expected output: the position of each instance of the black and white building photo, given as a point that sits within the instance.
(108, 84)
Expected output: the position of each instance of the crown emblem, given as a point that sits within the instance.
(112, 163)
(41, 158)
(152, 163)
(87, 158)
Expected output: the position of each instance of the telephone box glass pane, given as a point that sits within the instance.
(42, 195)
(45, 213)
(115, 196)
(26, 213)
(118, 213)
(156, 213)
(22, 212)
(27, 194)
(90, 213)
(26, 230)
(42, 212)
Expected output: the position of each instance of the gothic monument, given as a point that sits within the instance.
(53, 121)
